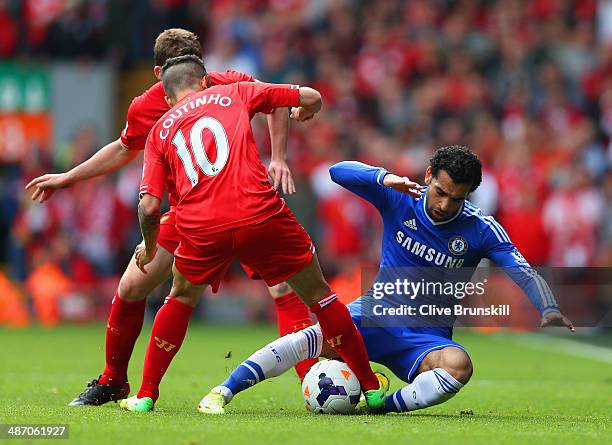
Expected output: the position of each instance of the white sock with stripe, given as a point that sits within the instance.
(428, 389)
(273, 360)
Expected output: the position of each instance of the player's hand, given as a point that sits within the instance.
(301, 114)
(143, 256)
(556, 319)
(403, 185)
(47, 184)
(281, 176)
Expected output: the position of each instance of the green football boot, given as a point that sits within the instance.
(136, 405)
(374, 399)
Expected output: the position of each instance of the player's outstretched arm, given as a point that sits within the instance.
(310, 104)
(556, 319)
(278, 124)
(369, 182)
(148, 218)
(503, 253)
(109, 158)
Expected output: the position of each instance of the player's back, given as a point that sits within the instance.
(207, 144)
(146, 109)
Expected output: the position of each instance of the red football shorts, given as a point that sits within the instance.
(169, 239)
(275, 249)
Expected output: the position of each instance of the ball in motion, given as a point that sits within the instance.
(331, 387)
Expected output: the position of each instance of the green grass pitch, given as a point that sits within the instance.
(525, 389)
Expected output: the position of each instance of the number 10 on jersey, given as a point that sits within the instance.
(197, 148)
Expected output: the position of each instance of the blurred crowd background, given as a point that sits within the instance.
(525, 84)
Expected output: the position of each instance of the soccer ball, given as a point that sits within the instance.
(331, 387)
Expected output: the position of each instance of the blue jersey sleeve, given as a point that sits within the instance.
(500, 250)
(363, 180)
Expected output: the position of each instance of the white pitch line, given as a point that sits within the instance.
(560, 345)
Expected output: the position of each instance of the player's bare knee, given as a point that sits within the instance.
(130, 289)
(457, 363)
(280, 290)
(187, 293)
(182, 287)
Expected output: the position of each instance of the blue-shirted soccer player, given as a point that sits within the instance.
(423, 228)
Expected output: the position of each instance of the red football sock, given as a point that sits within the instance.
(340, 332)
(167, 335)
(122, 330)
(292, 316)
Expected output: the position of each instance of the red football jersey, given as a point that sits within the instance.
(206, 145)
(146, 109)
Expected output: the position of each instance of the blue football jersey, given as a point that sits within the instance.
(411, 239)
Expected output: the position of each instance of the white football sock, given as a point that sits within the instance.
(273, 360)
(428, 389)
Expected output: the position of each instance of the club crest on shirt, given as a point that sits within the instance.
(458, 245)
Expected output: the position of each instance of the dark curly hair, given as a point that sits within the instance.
(461, 164)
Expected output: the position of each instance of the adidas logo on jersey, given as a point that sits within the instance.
(411, 224)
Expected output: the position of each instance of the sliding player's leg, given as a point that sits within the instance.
(125, 321)
(270, 361)
(283, 353)
(292, 315)
(279, 249)
(273, 360)
(440, 376)
(167, 335)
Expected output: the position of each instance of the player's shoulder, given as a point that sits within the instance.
(228, 77)
(474, 214)
(239, 91)
(398, 202)
(163, 126)
(152, 99)
(486, 224)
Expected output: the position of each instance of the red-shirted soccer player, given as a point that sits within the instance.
(228, 210)
(127, 310)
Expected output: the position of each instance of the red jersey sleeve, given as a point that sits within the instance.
(227, 77)
(263, 97)
(134, 135)
(154, 169)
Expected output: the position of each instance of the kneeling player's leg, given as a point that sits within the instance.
(292, 315)
(168, 332)
(440, 376)
(127, 313)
